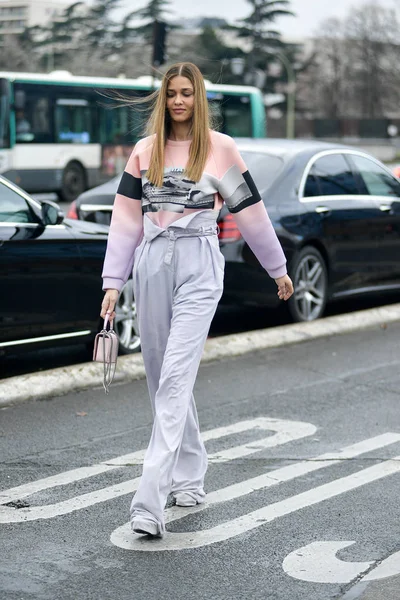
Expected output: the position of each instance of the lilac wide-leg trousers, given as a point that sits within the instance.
(178, 280)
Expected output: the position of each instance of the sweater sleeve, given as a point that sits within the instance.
(243, 200)
(126, 228)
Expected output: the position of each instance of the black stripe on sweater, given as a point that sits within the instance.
(130, 186)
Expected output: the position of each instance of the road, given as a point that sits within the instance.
(302, 486)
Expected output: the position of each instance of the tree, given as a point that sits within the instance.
(255, 29)
(213, 56)
(355, 72)
(80, 28)
(53, 41)
(154, 10)
(13, 56)
(324, 80)
(374, 35)
(99, 27)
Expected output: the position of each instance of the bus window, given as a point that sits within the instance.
(236, 112)
(120, 123)
(32, 115)
(4, 114)
(232, 115)
(114, 125)
(74, 121)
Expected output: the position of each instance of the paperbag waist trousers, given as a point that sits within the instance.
(178, 281)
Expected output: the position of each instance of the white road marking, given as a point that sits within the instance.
(27, 489)
(124, 538)
(318, 563)
(285, 431)
(388, 568)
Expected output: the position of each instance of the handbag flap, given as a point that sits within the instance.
(106, 347)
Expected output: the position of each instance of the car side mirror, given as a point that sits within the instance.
(51, 213)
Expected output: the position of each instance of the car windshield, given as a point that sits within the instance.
(264, 168)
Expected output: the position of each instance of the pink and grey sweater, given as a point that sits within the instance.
(225, 179)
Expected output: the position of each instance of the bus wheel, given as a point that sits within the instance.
(73, 182)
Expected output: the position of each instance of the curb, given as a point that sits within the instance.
(76, 378)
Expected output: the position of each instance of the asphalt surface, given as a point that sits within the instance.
(274, 537)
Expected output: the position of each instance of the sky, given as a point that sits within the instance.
(309, 13)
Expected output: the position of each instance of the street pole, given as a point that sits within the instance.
(291, 95)
(159, 44)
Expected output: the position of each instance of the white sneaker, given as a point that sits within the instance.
(184, 499)
(145, 527)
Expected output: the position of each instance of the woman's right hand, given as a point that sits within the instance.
(285, 287)
(108, 304)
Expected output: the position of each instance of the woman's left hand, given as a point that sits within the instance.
(285, 287)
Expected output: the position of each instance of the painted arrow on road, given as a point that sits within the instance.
(124, 538)
(283, 432)
(318, 563)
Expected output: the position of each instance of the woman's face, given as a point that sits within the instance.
(180, 99)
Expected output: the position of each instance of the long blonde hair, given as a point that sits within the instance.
(160, 124)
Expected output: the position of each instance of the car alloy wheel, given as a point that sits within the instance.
(126, 324)
(310, 280)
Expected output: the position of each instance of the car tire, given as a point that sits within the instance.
(126, 324)
(310, 280)
(73, 182)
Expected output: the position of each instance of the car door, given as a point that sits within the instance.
(379, 184)
(346, 221)
(39, 270)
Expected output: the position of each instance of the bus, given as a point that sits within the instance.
(62, 133)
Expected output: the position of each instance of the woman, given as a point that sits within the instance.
(164, 225)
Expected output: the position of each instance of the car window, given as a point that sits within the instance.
(330, 175)
(14, 208)
(264, 168)
(377, 181)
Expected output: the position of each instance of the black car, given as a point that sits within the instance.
(51, 277)
(336, 211)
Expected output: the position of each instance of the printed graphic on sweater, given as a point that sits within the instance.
(176, 193)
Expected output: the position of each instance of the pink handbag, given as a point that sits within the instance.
(106, 351)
